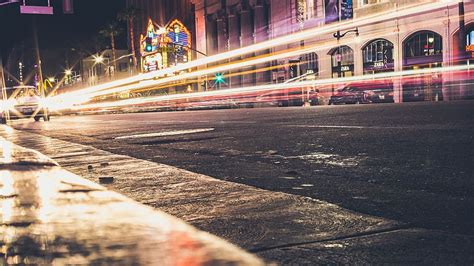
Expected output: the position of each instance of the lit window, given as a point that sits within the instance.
(309, 64)
(470, 38)
(377, 51)
(424, 43)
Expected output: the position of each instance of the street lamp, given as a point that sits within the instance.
(98, 59)
(338, 35)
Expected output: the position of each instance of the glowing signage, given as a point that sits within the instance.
(470, 48)
(163, 47)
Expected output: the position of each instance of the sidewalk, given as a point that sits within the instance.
(51, 216)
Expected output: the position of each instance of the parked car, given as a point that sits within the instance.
(374, 92)
(294, 97)
(348, 95)
(23, 102)
(380, 93)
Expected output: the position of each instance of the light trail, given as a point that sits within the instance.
(160, 83)
(227, 67)
(274, 87)
(279, 41)
(77, 98)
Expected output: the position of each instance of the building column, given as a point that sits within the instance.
(200, 40)
(358, 60)
(398, 67)
(447, 92)
(201, 32)
(234, 43)
(261, 35)
(222, 36)
(211, 35)
(246, 33)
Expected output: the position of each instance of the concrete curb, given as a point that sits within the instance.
(51, 216)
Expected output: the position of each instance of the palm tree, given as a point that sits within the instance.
(111, 30)
(129, 15)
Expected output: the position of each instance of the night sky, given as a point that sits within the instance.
(63, 39)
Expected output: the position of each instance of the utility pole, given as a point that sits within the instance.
(38, 64)
(3, 88)
(38, 58)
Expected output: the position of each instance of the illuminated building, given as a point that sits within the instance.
(162, 12)
(419, 40)
(162, 47)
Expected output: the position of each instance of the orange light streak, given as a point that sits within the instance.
(284, 40)
(274, 87)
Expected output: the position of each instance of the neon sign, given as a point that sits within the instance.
(162, 47)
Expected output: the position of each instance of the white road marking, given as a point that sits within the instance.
(321, 126)
(167, 133)
(348, 127)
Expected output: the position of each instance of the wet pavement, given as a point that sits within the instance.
(52, 217)
(283, 227)
(405, 162)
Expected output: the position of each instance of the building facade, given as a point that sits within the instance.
(419, 40)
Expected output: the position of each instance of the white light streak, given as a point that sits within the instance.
(168, 133)
(273, 87)
(284, 40)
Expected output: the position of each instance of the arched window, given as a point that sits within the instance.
(378, 50)
(378, 56)
(423, 49)
(343, 55)
(423, 43)
(342, 60)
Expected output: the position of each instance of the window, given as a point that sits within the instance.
(309, 64)
(310, 9)
(342, 59)
(470, 38)
(377, 56)
(378, 51)
(425, 43)
(344, 55)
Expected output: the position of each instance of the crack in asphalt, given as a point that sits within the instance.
(338, 238)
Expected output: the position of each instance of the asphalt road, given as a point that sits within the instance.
(407, 162)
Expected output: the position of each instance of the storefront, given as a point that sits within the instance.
(421, 50)
(342, 61)
(378, 57)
